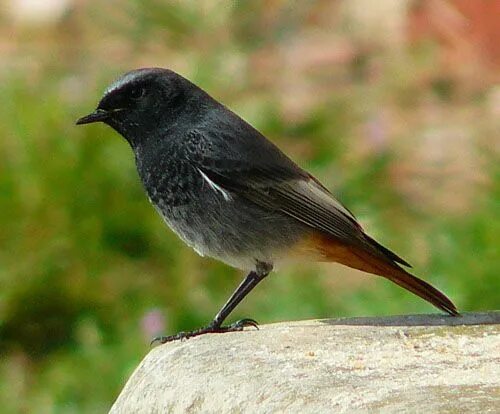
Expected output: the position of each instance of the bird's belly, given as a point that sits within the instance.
(236, 232)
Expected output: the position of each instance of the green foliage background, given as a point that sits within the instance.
(85, 262)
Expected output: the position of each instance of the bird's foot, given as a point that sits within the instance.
(212, 328)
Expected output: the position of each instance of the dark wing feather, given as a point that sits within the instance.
(292, 197)
(242, 161)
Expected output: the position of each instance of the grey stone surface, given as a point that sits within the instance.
(413, 364)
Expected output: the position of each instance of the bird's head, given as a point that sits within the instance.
(142, 103)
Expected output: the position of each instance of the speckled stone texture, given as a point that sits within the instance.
(413, 364)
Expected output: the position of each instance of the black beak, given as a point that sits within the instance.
(98, 115)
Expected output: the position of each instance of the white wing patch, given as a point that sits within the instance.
(215, 187)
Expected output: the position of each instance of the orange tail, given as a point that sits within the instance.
(375, 260)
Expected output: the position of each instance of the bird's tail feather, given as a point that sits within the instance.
(375, 260)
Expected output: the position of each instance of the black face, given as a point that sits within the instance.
(140, 102)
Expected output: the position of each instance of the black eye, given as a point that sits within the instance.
(137, 92)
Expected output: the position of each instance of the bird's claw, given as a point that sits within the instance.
(234, 327)
(242, 323)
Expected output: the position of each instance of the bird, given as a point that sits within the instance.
(231, 194)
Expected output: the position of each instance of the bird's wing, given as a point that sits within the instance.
(298, 197)
(252, 167)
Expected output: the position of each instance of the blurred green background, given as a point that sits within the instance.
(394, 105)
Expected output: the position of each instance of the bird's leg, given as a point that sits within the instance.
(250, 281)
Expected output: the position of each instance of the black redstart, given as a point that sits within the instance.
(231, 194)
